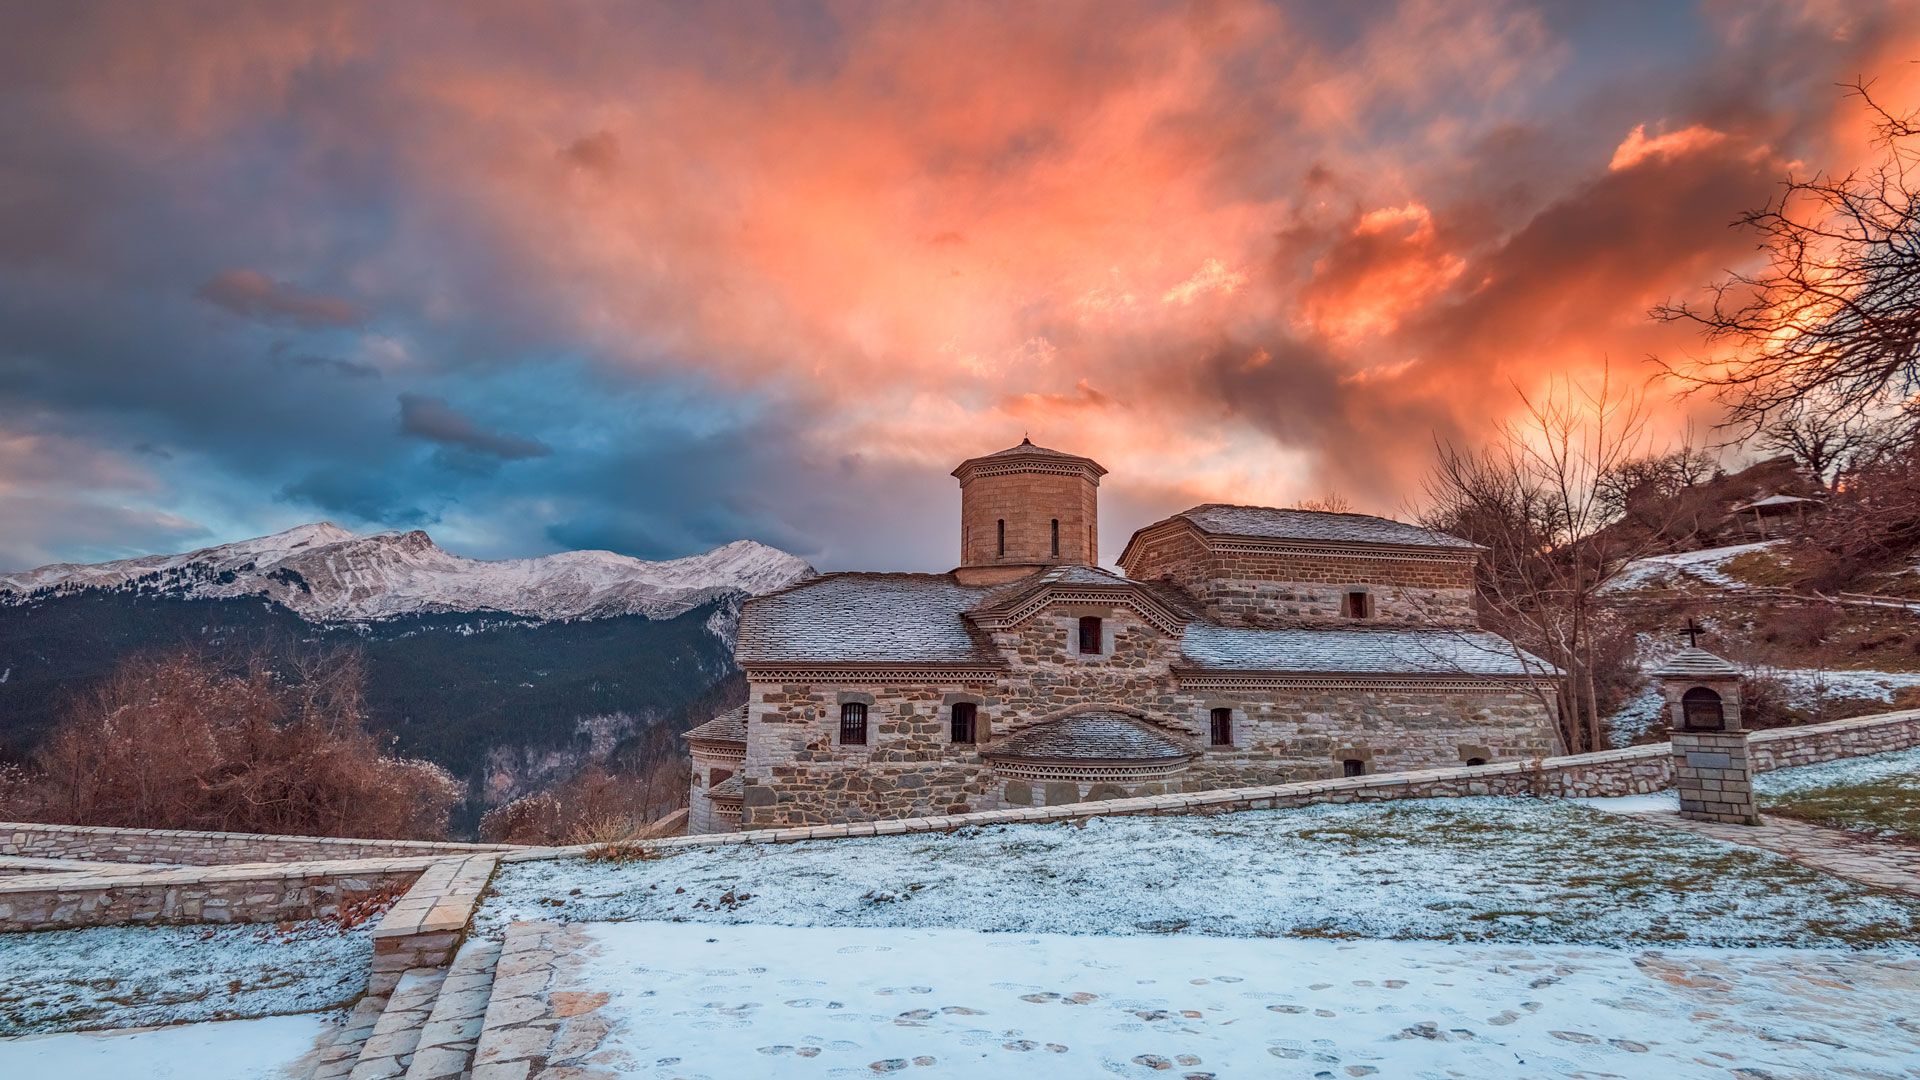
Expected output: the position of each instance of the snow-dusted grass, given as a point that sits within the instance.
(1811, 684)
(1878, 796)
(1512, 870)
(130, 976)
(1684, 568)
(742, 1001)
(229, 1050)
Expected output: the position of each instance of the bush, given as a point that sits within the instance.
(179, 742)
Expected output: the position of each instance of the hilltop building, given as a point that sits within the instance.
(1242, 645)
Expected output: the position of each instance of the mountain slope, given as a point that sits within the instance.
(326, 574)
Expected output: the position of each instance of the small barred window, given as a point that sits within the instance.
(853, 724)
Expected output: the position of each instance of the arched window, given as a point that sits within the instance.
(1702, 710)
(1353, 767)
(1002, 525)
(964, 729)
(853, 724)
(1476, 761)
(1056, 538)
(1220, 729)
(1090, 635)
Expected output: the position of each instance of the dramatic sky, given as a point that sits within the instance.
(652, 277)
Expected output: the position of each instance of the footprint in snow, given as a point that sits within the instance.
(888, 991)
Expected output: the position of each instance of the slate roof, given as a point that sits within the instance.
(729, 726)
(1026, 449)
(1269, 522)
(1071, 574)
(1695, 663)
(731, 788)
(865, 618)
(1356, 652)
(1092, 736)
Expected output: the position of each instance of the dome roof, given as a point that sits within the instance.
(1093, 737)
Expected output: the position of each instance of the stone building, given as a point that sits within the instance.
(1242, 645)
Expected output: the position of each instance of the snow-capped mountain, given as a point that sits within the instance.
(327, 574)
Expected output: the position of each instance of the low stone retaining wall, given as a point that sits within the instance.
(263, 892)
(1635, 770)
(91, 843)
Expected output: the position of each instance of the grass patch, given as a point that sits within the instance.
(1888, 809)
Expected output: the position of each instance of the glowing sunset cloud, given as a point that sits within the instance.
(653, 278)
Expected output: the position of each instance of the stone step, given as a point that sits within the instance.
(389, 1048)
(452, 1031)
(337, 1058)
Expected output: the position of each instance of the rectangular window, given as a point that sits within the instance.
(1090, 636)
(1353, 767)
(965, 713)
(853, 724)
(1222, 727)
(1003, 538)
(1056, 538)
(1359, 604)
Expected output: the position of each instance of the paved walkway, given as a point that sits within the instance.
(1872, 862)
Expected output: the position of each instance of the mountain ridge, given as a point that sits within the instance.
(325, 573)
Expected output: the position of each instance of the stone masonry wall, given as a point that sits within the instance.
(1634, 771)
(1290, 589)
(1028, 503)
(188, 895)
(796, 773)
(95, 843)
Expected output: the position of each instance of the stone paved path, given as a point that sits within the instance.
(1863, 859)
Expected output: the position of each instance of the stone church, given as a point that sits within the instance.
(1242, 645)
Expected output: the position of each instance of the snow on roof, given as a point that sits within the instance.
(1355, 652)
(1092, 736)
(856, 617)
(730, 788)
(1271, 522)
(1775, 500)
(729, 726)
(1696, 664)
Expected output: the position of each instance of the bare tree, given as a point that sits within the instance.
(1835, 310)
(1535, 499)
(1331, 503)
(1822, 439)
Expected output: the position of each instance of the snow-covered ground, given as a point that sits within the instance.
(219, 1050)
(129, 976)
(1845, 772)
(1810, 684)
(739, 1001)
(1511, 870)
(1683, 567)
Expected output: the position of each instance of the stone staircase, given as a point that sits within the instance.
(429, 988)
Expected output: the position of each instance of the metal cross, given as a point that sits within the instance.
(1693, 631)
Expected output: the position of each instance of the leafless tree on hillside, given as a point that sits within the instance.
(1834, 313)
(1822, 439)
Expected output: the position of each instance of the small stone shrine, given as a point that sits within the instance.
(1711, 768)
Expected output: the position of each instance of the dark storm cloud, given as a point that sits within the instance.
(433, 419)
(666, 276)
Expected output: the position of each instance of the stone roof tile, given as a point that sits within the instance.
(1695, 663)
(1357, 652)
(1269, 522)
(729, 726)
(858, 617)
